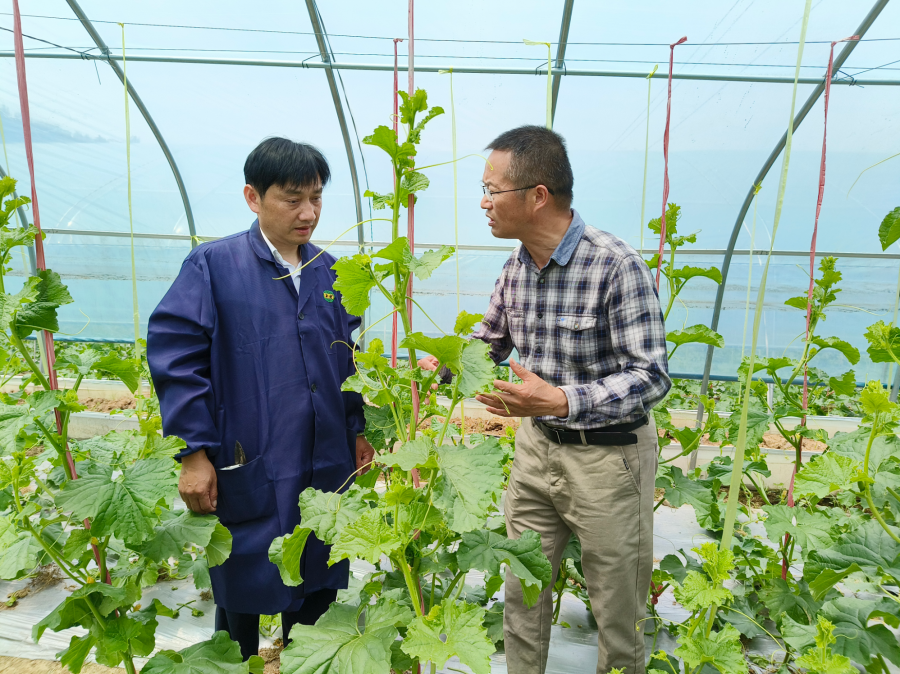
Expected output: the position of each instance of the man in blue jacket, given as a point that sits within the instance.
(248, 350)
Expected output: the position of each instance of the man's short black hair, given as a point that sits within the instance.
(539, 157)
(282, 162)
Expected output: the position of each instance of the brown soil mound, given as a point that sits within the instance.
(107, 404)
(22, 666)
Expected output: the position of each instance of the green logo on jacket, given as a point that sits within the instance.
(328, 295)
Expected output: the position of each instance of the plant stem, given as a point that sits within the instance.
(17, 342)
(129, 663)
(868, 490)
(411, 585)
(712, 618)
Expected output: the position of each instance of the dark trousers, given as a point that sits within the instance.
(244, 627)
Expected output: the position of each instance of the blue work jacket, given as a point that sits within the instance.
(238, 355)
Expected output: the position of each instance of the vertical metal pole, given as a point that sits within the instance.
(319, 30)
(726, 262)
(561, 53)
(101, 45)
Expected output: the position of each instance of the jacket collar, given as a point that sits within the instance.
(258, 244)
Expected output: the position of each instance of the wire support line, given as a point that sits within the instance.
(703, 252)
(570, 72)
(190, 50)
(425, 39)
(53, 44)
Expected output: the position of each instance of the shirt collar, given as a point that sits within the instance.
(567, 245)
(278, 258)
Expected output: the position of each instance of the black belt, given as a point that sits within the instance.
(608, 436)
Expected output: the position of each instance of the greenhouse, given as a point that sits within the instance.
(412, 337)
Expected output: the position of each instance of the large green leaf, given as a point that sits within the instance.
(73, 657)
(385, 138)
(354, 281)
(785, 597)
(825, 474)
(219, 655)
(889, 231)
(850, 352)
(89, 360)
(176, 531)
(845, 384)
(327, 513)
(453, 629)
(477, 368)
(447, 349)
(868, 547)
(681, 489)
(124, 507)
(337, 644)
(687, 272)
(468, 480)
(698, 592)
(821, 660)
(368, 538)
(486, 551)
(122, 634)
(854, 444)
(721, 650)
(18, 551)
(74, 610)
(418, 453)
(285, 553)
(855, 638)
(466, 322)
(812, 529)
(695, 334)
(423, 267)
(40, 298)
(884, 342)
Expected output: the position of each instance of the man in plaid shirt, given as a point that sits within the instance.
(581, 308)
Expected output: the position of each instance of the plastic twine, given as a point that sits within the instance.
(396, 190)
(662, 221)
(410, 231)
(740, 445)
(750, 269)
(646, 154)
(812, 246)
(134, 290)
(549, 79)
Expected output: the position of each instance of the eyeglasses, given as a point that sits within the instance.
(490, 195)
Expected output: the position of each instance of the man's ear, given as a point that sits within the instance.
(541, 197)
(251, 196)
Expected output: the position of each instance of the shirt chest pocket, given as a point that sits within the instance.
(577, 338)
(328, 321)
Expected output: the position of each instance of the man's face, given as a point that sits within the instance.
(507, 213)
(287, 215)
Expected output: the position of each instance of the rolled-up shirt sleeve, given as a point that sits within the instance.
(637, 334)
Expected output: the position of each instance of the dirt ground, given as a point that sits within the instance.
(107, 404)
(22, 666)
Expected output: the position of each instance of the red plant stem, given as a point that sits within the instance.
(662, 221)
(812, 248)
(812, 272)
(38, 240)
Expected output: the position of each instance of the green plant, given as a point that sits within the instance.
(101, 512)
(431, 522)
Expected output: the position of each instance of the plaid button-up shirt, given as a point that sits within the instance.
(589, 322)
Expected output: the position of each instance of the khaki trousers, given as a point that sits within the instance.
(604, 495)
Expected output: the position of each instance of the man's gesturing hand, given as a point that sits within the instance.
(532, 398)
(365, 454)
(197, 484)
